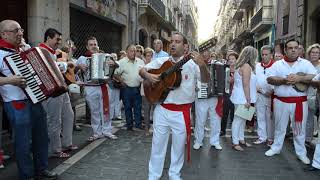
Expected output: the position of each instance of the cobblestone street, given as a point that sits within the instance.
(127, 159)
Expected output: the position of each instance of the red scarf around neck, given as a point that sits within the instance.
(7, 45)
(265, 66)
(43, 45)
(287, 59)
(88, 54)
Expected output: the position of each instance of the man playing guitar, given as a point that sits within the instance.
(174, 113)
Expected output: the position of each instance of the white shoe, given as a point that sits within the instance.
(217, 147)
(304, 159)
(259, 141)
(270, 153)
(196, 146)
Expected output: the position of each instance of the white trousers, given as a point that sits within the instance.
(237, 128)
(282, 112)
(166, 121)
(114, 99)
(60, 119)
(316, 157)
(100, 123)
(264, 118)
(203, 107)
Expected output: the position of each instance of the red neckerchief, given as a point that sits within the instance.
(265, 66)
(285, 58)
(7, 45)
(43, 45)
(88, 54)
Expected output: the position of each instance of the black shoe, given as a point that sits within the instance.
(129, 129)
(46, 175)
(311, 168)
(222, 133)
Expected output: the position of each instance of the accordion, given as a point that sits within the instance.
(43, 77)
(218, 84)
(98, 69)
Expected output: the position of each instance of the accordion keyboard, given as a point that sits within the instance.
(33, 89)
(202, 90)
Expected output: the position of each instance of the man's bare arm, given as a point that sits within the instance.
(277, 81)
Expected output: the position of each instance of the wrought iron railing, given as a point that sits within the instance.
(156, 5)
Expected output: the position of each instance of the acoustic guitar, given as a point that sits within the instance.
(170, 78)
(300, 87)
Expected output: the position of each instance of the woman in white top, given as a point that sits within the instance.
(244, 92)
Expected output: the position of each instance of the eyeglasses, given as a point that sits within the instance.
(16, 30)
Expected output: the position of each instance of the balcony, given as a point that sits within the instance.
(155, 5)
(243, 30)
(238, 15)
(262, 19)
(244, 4)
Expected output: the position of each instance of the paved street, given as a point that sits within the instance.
(127, 159)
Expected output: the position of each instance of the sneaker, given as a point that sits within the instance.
(304, 159)
(207, 128)
(196, 146)
(258, 141)
(270, 153)
(217, 146)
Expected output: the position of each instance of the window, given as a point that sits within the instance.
(285, 24)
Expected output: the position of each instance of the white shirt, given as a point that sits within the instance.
(261, 79)
(129, 71)
(238, 96)
(9, 92)
(185, 93)
(282, 69)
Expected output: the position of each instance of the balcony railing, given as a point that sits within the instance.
(262, 19)
(156, 5)
(243, 29)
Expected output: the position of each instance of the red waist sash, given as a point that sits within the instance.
(185, 109)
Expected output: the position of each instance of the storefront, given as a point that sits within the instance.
(93, 20)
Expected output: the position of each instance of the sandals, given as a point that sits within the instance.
(93, 138)
(71, 148)
(61, 154)
(245, 143)
(237, 147)
(111, 136)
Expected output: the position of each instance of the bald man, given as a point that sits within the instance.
(159, 53)
(28, 120)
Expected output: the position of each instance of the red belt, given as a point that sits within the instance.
(185, 109)
(298, 115)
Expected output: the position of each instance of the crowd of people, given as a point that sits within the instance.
(282, 86)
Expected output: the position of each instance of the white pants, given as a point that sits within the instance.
(282, 112)
(264, 118)
(237, 128)
(203, 107)
(60, 119)
(166, 121)
(114, 99)
(100, 123)
(316, 157)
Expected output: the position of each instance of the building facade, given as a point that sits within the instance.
(261, 22)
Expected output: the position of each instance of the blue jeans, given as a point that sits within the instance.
(29, 125)
(132, 100)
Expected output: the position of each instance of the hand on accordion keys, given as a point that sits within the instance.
(17, 80)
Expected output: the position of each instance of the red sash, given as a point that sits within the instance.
(105, 100)
(298, 115)
(219, 106)
(185, 109)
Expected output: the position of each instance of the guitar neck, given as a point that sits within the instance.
(177, 66)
